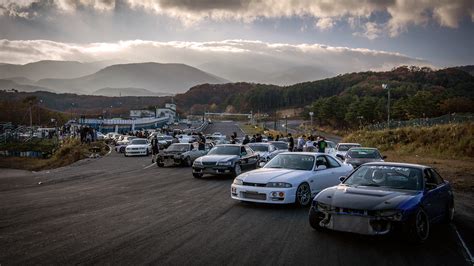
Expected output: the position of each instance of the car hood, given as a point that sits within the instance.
(218, 158)
(365, 198)
(262, 153)
(265, 175)
(359, 161)
(137, 146)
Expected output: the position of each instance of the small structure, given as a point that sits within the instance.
(141, 113)
(169, 111)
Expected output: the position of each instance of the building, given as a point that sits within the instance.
(169, 111)
(141, 113)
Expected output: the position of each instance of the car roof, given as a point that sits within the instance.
(233, 145)
(349, 143)
(304, 153)
(363, 148)
(398, 164)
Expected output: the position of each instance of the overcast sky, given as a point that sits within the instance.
(341, 35)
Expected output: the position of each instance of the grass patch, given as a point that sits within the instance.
(453, 141)
(70, 151)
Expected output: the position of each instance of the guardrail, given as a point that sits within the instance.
(200, 128)
(425, 122)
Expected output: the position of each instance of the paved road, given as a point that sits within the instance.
(119, 210)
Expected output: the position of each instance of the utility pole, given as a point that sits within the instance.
(386, 87)
(311, 115)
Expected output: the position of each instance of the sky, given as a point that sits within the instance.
(335, 35)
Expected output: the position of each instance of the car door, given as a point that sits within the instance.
(435, 194)
(244, 158)
(252, 157)
(321, 177)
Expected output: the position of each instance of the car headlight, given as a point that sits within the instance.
(225, 163)
(395, 215)
(197, 162)
(238, 182)
(279, 184)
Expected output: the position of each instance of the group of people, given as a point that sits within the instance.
(311, 143)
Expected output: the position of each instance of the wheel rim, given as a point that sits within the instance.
(237, 169)
(303, 194)
(422, 225)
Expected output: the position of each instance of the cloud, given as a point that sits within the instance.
(237, 60)
(371, 31)
(325, 13)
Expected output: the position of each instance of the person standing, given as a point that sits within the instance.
(258, 138)
(291, 142)
(246, 140)
(201, 142)
(155, 148)
(322, 144)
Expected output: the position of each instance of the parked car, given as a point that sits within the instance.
(380, 198)
(281, 145)
(361, 155)
(122, 143)
(181, 154)
(331, 147)
(100, 136)
(290, 177)
(186, 138)
(266, 151)
(342, 148)
(226, 159)
(138, 147)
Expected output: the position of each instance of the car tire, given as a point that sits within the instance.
(122, 150)
(188, 161)
(160, 164)
(315, 219)
(237, 170)
(303, 195)
(197, 175)
(419, 227)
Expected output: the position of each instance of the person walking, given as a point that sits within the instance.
(155, 148)
(291, 142)
(201, 142)
(322, 144)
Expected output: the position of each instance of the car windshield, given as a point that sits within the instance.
(225, 150)
(263, 148)
(139, 142)
(292, 161)
(346, 147)
(395, 177)
(363, 153)
(178, 147)
(280, 145)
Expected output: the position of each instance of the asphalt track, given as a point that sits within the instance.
(118, 210)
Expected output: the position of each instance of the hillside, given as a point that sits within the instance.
(155, 77)
(7, 84)
(118, 92)
(49, 69)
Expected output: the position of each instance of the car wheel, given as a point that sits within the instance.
(122, 149)
(237, 169)
(303, 195)
(197, 175)
(315, 219)
(188, 161)
(420, 227)
(160, 164)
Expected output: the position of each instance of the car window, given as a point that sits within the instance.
(321, 160)
(242, 150)
(332, 163)
(249, 151)
(432, 177)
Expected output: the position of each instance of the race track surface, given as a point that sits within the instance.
(119, 210)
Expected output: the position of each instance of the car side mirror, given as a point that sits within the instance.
(384, 157)
(261, 164)
(321, 167)
(342, 178)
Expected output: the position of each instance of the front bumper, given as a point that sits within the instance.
(213, 170)
(170, 159)
(354, 223)
(135, 152)
(271, 195)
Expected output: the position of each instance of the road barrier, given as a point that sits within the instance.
(425, 122)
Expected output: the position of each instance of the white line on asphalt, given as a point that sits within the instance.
(463, 244)
(146, 167)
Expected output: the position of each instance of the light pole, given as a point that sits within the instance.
(386, 87)
(360, 121)
(311, 115)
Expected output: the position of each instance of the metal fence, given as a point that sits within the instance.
(425, 122)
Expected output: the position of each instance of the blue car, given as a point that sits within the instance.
(380, 198)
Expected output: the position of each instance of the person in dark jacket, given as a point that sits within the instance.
(246, 140)
(291, 142)
(155, 148)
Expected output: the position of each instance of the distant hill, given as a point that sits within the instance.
(469, 69)
(6, 84)
(49, 69)
(118, 92)
(298, 74)
(155, 77)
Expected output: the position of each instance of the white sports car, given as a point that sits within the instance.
(290, 177)
(138, 147)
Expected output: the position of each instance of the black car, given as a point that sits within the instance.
(360, 155)
(226, 159)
